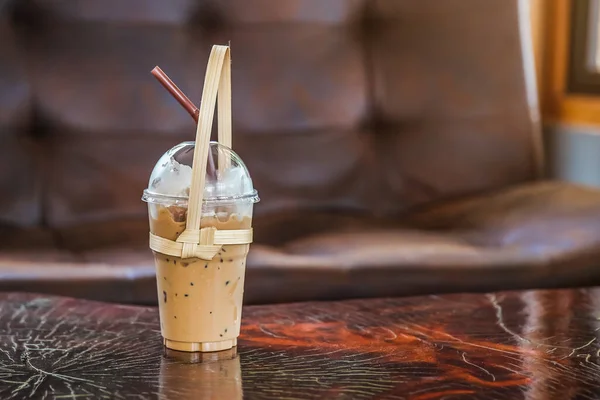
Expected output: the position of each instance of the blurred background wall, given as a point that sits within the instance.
(565, 41)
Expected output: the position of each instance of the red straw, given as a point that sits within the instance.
(189, 107)
(176, 92)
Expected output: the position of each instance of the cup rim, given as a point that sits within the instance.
(152, 197)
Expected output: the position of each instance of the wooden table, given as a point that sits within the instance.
(531, 345)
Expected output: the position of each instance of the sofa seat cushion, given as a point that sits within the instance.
(545, 234)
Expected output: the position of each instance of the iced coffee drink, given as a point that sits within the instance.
(200, 300)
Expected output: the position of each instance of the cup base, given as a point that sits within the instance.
(192, 347)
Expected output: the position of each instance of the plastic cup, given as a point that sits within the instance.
(200, 301)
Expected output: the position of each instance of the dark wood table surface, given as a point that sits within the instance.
(518, 345)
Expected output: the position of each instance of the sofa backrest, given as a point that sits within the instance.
(350, 105)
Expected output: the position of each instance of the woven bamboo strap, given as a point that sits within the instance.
(205, 243)
(205, 246)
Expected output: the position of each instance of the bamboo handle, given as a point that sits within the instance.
(224, 102)
(218, 62)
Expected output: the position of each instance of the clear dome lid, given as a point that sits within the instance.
(172, 176)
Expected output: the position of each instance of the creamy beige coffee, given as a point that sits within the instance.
(200, 301)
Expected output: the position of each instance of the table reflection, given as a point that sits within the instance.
(559, 347)
(201, 376)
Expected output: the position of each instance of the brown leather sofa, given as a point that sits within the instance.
(395, 145)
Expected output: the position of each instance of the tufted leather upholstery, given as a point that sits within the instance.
(353, 116)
